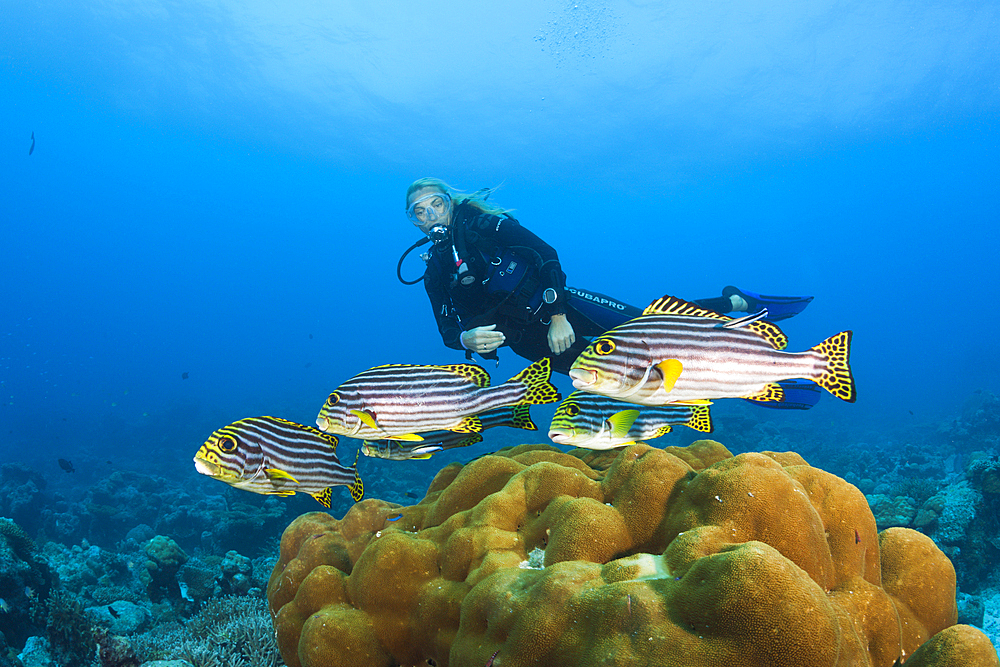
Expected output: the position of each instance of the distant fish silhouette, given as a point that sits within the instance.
(184, 375)
(32, 149)
(66, 465)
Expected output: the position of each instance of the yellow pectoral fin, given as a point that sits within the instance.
(620, 422)
(671, 370)
(276, 474)
(366, 418)
(693, 401)
(408, 437)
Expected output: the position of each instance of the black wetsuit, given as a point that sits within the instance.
(484, 242)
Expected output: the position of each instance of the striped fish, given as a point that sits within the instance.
(397, 402)
(678, 352)
(278, 457)
(598, 422)
(436, 441)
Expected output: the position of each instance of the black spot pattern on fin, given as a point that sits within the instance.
(671, 305)
(357, 490)
(538, 388)
(838, 378)
(323, 497)
(701, 419)
(475, 374)
(770, 332)
(471, 424)
(771, 393)
(522, 418)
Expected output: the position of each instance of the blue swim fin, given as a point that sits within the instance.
(799, 395)
(778, 307)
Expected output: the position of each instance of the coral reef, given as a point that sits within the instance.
(668, 557)
(128, 505)
(165, 559)
(24, 575)
(22, 498)
(68, 628)
(228, 631)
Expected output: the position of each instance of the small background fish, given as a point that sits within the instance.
(598, 422)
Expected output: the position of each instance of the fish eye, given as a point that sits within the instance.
(572, 410)
(604, 346)
(333, 400)
(227, 443)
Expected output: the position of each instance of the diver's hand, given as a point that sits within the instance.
(561, 334)
(483, 340)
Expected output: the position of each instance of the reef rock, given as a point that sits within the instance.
(673, 556)
(121, 617)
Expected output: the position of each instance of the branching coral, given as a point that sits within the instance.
(227, 632)
(69, 630)
(18, 540)
(669, 557)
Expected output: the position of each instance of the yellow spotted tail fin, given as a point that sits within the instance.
(357, 487)
(535, 378)
(837, 377)
(521, 418)
(701, 419)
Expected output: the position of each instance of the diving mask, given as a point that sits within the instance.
(428, 208)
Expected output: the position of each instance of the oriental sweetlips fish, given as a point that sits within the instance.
(278, 457)
(678, 352)
(598, 422)
(436, 441)
(397, 402)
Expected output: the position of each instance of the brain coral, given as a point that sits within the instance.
(675, 556)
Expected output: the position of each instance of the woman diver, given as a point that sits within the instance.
(491, 282)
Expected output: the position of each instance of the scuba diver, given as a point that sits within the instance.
(492, 283)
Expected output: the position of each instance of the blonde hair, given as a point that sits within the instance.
(477, 198)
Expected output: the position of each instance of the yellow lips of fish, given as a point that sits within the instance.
(204, 464)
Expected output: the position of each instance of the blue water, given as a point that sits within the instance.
(218, 192)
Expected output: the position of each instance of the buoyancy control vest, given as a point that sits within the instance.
(506, 279)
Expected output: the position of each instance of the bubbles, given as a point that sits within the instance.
(580, 31)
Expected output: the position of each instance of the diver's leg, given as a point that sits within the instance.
(600, 311)
(720, 304)
(734, 299)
